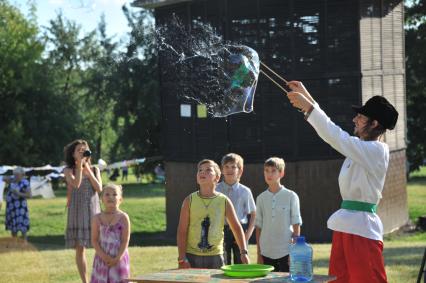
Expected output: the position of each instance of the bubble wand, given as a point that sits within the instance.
(269, 77)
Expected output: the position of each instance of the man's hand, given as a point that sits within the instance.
(299, 101)
(297, 86)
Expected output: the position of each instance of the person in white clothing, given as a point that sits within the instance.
(357, 246)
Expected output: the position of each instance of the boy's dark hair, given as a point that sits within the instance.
(275, 162)
(234, 158)
(69, 151)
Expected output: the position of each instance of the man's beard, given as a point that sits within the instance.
(356, 132)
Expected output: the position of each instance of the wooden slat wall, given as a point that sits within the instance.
(393, 209)
(382, 60)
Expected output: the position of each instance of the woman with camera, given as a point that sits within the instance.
(83, 185)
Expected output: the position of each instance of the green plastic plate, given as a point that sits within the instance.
(247, 270)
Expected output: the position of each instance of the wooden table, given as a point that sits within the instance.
(194, 275)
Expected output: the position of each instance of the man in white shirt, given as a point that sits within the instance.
(357, 247)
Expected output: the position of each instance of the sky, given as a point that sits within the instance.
(87, 13)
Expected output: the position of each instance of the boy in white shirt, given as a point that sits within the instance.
(242, 199)
(278, 218)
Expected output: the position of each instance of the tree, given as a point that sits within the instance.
(137, 108)
(44, 101)
(415, 40)
(61, 84)
(20, 54)
(100, 93)
(70, 57)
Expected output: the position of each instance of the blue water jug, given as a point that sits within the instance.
(300, 261)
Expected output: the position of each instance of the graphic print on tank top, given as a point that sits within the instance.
(204, 241)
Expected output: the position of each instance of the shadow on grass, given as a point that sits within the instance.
(149, 239)
(137, 239)
(417, 180)
(143, 190)
(410, 256)
(321, 263)
(133, 191)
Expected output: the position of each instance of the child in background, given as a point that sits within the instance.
(277, 218)
(202, 217)
(110, 239)
(242, 199)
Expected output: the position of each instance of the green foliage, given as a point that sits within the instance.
(415, 40)
(99, 93)
(137, 111)
(59, 84)
(20, 54)
(40, 87)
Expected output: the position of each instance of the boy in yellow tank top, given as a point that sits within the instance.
(202, 218)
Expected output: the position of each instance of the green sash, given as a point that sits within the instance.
(359, 206)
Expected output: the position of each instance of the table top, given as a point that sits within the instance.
(196, 275)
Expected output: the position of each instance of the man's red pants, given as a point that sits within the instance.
(356, 259)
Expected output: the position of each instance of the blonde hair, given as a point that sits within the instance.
(113, 186)
(233, 158)
(275, 162)
(216, 167)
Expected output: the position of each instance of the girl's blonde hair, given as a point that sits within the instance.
(113, 186)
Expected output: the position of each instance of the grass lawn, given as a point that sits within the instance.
(417, 194)
(46, 260)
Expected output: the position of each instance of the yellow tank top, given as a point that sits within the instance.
(206, 220)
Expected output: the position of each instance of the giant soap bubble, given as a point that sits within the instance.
(199, 66)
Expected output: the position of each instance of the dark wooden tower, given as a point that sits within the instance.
(345, 51)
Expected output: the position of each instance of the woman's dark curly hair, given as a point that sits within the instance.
(69, 151)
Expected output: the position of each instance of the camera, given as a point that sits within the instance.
(87, 153)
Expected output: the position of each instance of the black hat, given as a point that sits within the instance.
(378, 108)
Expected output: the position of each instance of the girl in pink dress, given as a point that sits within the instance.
(110, 239)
